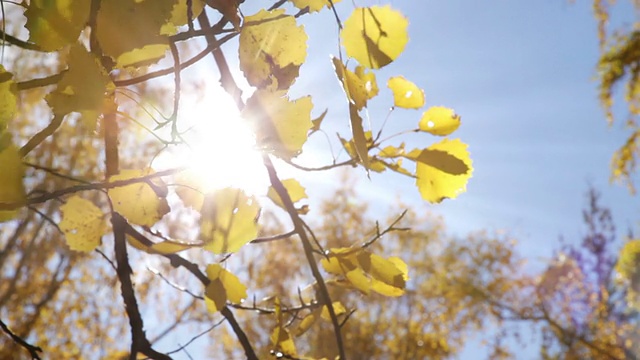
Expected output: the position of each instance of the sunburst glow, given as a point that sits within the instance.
(220, 147)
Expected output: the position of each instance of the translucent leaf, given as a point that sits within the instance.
(280, 124)
(358, 86)
(179, 15)
(405, 93)
(359, 137)
(228, 221)
(439, 120)
(314, 5)
(83, 224)
(129, 31)
(272, 48)
(139, 202)
(54, 24)
(387, 278)
(375, 36)
(224, 286)
(229, 8)
(11, 185)
(170, 247)
(8, 98)
(338, 309)
(82, 87)
(440, 170)
(280, 337)
(189, 190)
(295, 190)
(392, 151)
(308, 321)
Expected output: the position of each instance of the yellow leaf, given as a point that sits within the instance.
(359, 86)
(405, 93)
(129, 31)
(54, 24)
(189, 190)
(170, 247)
(280, 337)
(375, 36)
(295, 190)
(387, 279)
(313, 5)
(318, 121)
(279, 124)
(338, 309)
(11, 185)
(82, 87)
(229, 9)
(272, 48)
(439, 120)
(308, 321)
(224, 286)
(179, 15)
(359, 137)
(8, 98)
(229, 220)
(392, 151)
(139, 202)
(83, 224)
(443, 170)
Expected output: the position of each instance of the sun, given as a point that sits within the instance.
(219, 149)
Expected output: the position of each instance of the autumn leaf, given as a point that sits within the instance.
(280, 337)
(53, 25)
(359, 137)
(223, 287)
(179, 15)
(405, 93)
(129, 31)
(358, 86)
(11, 183)
(8, 106)
(375, 36)
(83, 224)
(280, 124)
(82, 87)
(294, 189)
(272, 48)
(140, 203)
(313, 5)
(439, 120)
(229, 9)
(228, 220)
(442, 170)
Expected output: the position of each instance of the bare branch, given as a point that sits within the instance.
(33, 350)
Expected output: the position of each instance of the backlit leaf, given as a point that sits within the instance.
(179, 15)
(82, 87)
(228, 220)
(439, 120)
(228, 8)
(358, 86)
(308, 321)
(54, 24)
(338, 309)
(8, 98)
(223, 287)
(139, 202)
(83, 224)
(170, 247)
(405, 93)
(129, 31)
(359, 137)
(272, 48)
(280, 125)
(375, 36)
(280, 337)
(295, 190)
(189, 190)
(314, 5)
(11, 185)
(440, 170)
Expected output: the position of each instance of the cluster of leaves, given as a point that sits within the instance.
(104, 49)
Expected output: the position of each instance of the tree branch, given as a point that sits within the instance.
(42, 135)
(33, 350)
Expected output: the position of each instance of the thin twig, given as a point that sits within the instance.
(32, 349)
(42, 135)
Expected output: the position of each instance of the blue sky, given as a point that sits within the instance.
(522, 76)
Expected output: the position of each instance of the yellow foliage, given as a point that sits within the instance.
(229, 220)
(313, 5)
(11, 183)
(223, 287)
(142, 203)
(53, 25)
(295, 190)
(375, 36)
(272, 48)
(439, 120)
(405, 93)
(8, 99)
(83, 224)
